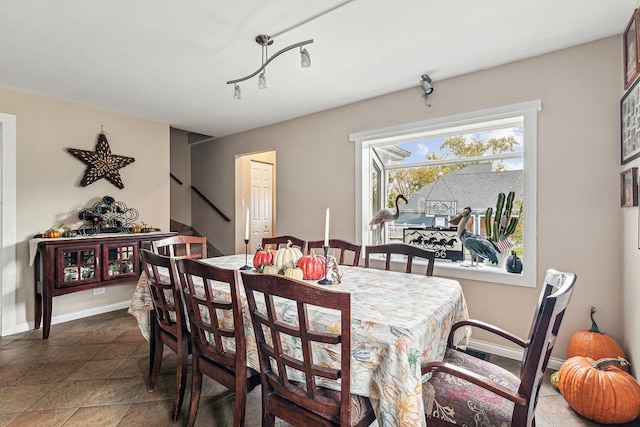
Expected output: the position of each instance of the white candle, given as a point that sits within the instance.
(246, 227)
(326, 228)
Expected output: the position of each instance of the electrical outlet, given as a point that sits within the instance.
(98, 291)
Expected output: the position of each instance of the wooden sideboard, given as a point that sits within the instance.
(67, 265)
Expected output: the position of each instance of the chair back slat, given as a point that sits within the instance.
(181, 246)
(554, 299)
(214, 308)
(165, 296)
(272, 301)
(410, 251)
(346, 249)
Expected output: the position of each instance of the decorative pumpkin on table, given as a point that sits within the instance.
(600, 391)
(70, 233)
(291, 271)
(594, 344)
(312, 266)
(53, 233)
(268, 269)
(262, 256)
(283, 256)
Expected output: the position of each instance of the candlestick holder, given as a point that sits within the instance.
(246, 265)
(328, 266)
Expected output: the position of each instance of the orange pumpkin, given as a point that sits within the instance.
(594, 344)
(53, 233)
(313, 266)
(261, 257)
(599, 391)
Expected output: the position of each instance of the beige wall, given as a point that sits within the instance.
(579, 227)
(181, 169)
(48, 182)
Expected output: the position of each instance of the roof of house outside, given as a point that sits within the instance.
(470, 186)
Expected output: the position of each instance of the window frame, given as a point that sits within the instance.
(529, 112)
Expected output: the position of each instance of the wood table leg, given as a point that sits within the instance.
(47, 307)
(38, 310)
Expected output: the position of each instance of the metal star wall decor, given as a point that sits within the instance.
(101, 163)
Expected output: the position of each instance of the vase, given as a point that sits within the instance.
(502, 259)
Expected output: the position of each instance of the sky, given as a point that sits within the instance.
(420, 149)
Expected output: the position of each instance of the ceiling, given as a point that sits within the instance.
(169, 61)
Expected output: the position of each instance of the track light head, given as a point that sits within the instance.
(425, 84)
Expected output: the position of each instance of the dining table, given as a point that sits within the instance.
(399, 321)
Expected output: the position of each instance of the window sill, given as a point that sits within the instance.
(462, 270)
(484, 273)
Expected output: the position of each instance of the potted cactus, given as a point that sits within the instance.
(500, 224)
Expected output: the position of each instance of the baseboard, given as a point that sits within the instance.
(508, 352)
(22, 327)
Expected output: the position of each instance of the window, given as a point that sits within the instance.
(443, 165)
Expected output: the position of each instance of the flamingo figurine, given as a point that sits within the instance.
(386, 215)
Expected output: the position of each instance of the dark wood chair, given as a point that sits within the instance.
(344, 247)
(277, 241)
(181, 246)
(302, 403)
(169, 327)
(464, 389)
(410, 251)
(176, 247)
(216, 323)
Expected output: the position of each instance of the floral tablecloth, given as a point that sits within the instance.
(399, 321)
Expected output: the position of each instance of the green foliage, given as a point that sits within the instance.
(408, 181)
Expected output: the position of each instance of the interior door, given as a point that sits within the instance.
(261, 202)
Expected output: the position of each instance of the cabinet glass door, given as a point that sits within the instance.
(120, 260)
(77, 265)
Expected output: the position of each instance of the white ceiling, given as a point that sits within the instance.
(169, 60)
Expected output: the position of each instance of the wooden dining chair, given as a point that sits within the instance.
(277, 241)
(218, 345)
(410, 251)
(169, 327)
(181, 246)
(176, 247)
(300, 401)
(346, 248)
(464, 389)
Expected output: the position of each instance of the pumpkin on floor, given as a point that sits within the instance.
(554, 380)
(594, 344)
(598, 391)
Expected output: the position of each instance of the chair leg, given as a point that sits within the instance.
(240, 403)
(268, 420)
(181, 379)
(196, 389)
(152, 340)
(155, 358)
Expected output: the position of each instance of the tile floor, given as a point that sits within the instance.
(93, 372)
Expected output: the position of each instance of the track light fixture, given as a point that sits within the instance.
(265, 41)
(425, 84)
